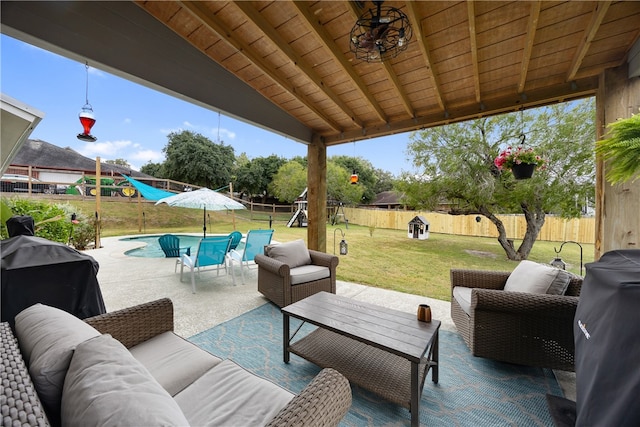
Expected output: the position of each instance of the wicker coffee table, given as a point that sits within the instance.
(387, 352)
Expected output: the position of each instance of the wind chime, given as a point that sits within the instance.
(87, 119)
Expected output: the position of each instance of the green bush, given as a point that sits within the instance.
(53, 221)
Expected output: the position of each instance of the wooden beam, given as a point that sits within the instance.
(330, 46)
(421, 39)
(532, 25)
(536, 98)
(270, 32)
(198, 10)
(391, 74)
(599, 11)
(474, 48)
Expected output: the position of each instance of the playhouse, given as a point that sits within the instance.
(418, 228)
(299, 217)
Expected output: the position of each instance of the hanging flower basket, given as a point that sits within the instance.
(522, 161)
(523, 170)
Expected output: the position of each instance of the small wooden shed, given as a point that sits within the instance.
(418, 228)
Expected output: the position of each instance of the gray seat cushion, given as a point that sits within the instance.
(308, 273)
(463, 297)
(228, 395)
(173, 361)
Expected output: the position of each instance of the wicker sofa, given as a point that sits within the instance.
(531, 329)
(144, 375)
(289, 272)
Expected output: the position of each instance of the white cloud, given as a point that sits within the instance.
(225, 134)
(127, 121)
(189, 125)
(109, 149)
(145, 156)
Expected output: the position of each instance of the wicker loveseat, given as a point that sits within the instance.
(147, 375)
(531, 329)
(289, 272)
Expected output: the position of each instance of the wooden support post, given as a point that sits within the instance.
(617, 206)
(317, 196)
(98, 191)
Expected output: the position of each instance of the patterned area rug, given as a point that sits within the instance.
(471, 391)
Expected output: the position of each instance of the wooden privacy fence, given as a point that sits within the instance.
(555, 229)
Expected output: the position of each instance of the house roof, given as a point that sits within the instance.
(287, 66)
(41, 154)
(386, 198)
(419, 219)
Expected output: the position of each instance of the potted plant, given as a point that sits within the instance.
(522, 161)
(622, 149)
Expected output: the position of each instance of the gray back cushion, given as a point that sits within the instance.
(294, 253)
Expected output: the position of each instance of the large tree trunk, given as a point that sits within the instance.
(506, 244)
(535, 221)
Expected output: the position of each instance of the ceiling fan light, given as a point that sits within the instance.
(381, 34)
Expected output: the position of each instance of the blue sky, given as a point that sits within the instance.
(133, 121)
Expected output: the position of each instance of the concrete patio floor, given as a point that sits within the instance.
(126, 281)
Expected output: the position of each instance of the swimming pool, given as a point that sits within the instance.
(152, 248)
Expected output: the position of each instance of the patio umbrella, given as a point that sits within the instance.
(203, 198)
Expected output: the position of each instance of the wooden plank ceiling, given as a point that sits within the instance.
(466, 59)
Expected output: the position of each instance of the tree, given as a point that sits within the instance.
(254, 176)
(289, 182)
(339, 188)
(119, 162)
(195, 159)
(154, 169)
(457, 167)
(367, 176)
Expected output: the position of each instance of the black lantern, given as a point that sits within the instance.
(559, 263)
(344, 246)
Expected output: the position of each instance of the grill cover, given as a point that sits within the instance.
(38, 270)
(606, 332)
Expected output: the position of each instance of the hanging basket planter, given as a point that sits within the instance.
(522, 161)
(523, 170)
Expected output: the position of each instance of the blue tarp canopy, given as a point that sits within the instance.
(147, 191)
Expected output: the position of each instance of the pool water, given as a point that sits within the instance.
(152, 248)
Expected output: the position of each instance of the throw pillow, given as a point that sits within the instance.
(106, 385)
(531, 277)
(294, 253)
(47, 337)
(560, 283)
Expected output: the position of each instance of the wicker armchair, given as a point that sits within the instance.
(274, 279)
(515, 327)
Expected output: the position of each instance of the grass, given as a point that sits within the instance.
(377, 257)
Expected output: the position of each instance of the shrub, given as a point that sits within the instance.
(53, 221)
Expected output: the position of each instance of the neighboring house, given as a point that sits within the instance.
(386, 200)
(63, 165)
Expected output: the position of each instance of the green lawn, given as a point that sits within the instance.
(378, 257)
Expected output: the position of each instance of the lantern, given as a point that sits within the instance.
(344, 247)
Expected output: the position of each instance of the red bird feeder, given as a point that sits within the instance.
(87, 119)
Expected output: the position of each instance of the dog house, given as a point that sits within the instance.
(418, 228)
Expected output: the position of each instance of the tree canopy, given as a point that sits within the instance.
(195, 159)
(457, 168)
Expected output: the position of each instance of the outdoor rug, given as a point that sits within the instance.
(471, 391)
